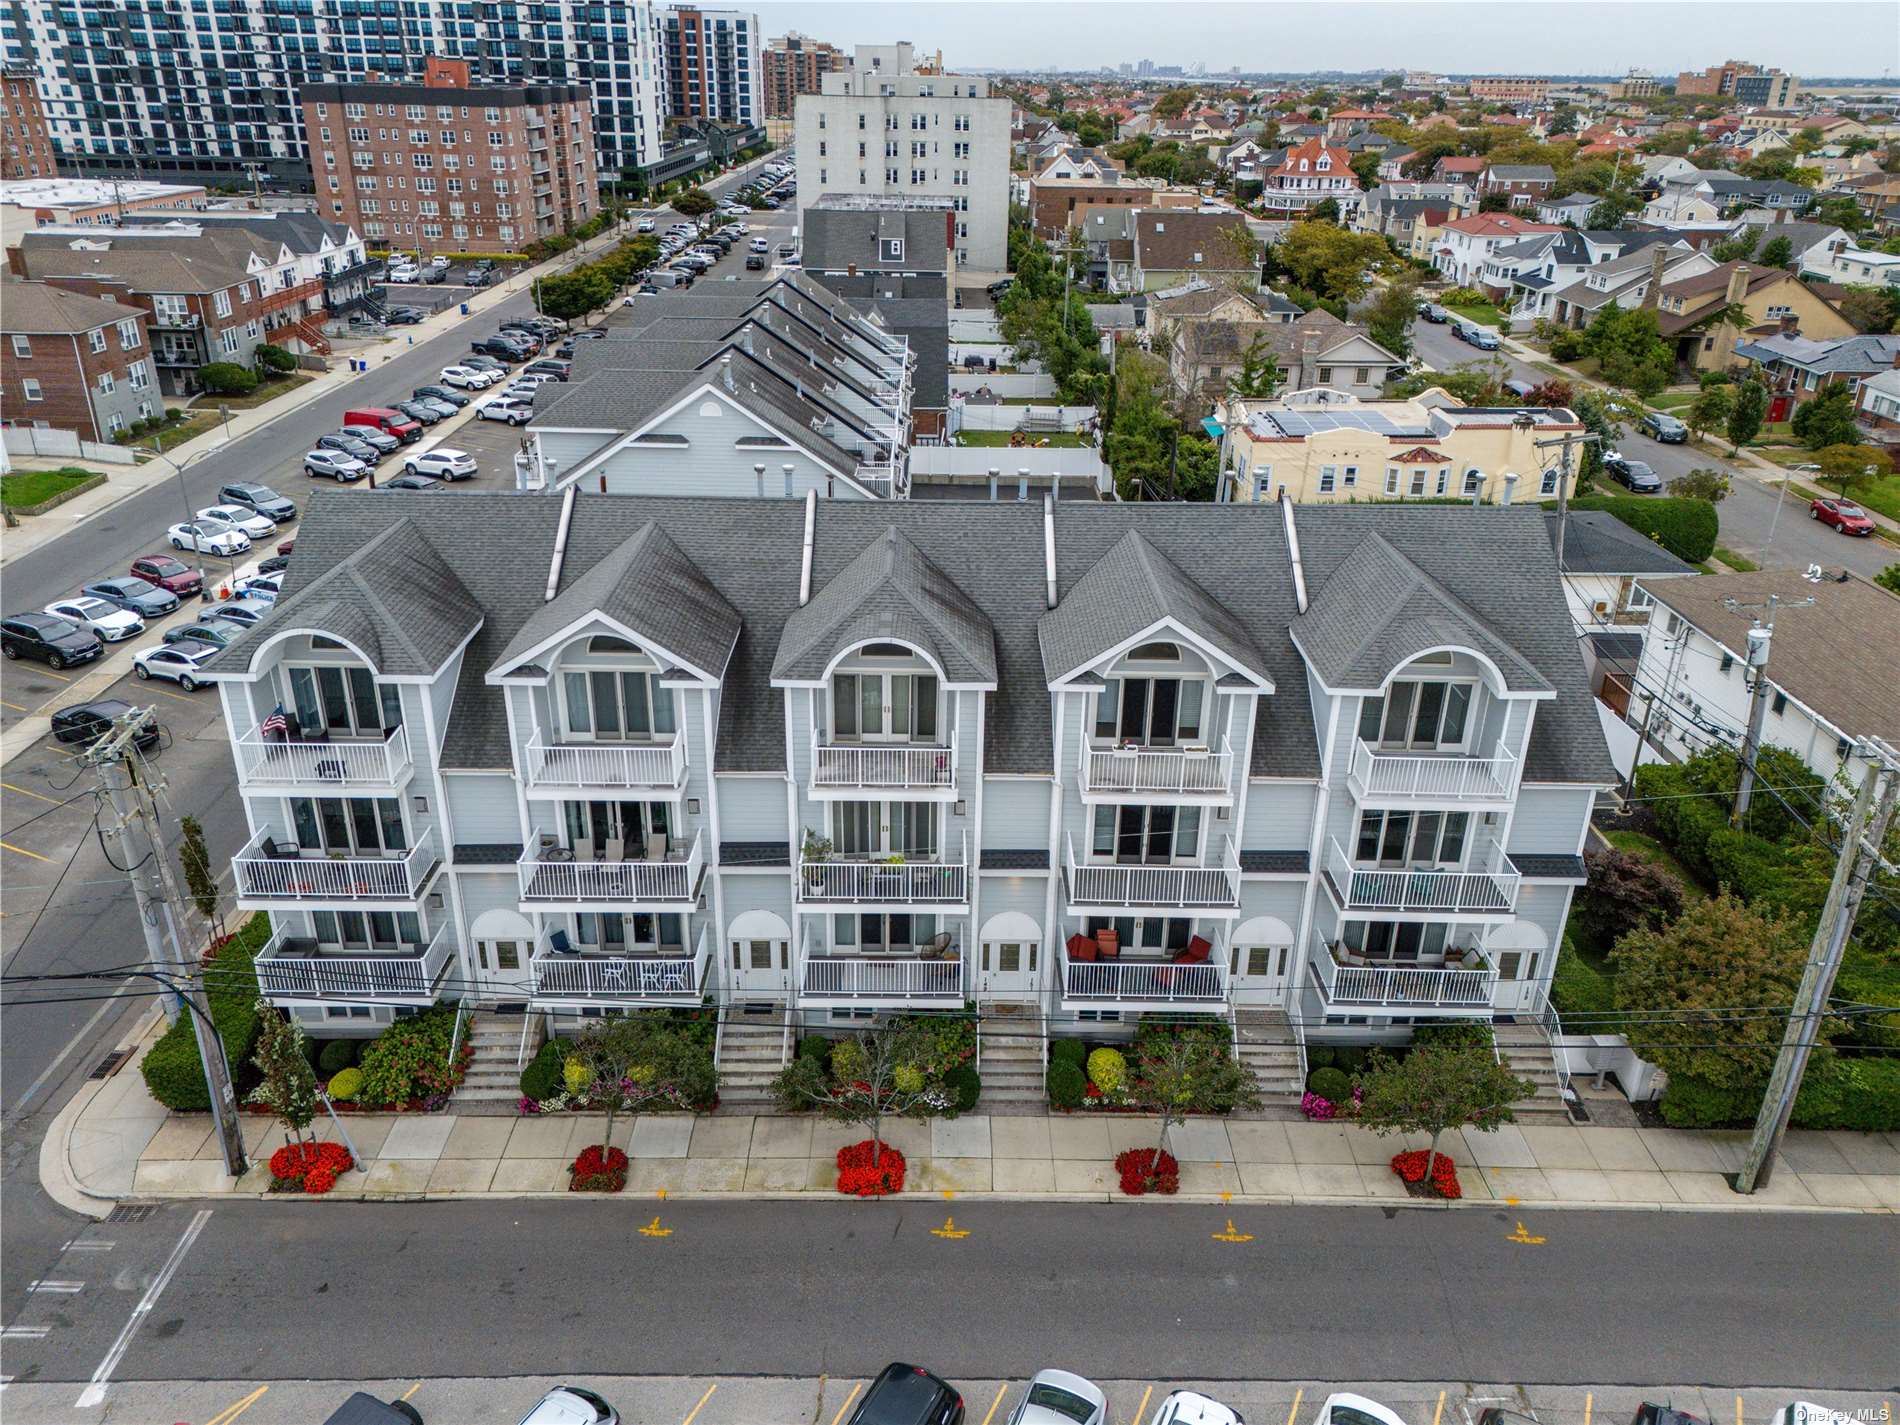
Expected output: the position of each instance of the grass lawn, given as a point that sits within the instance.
(1048, 440)
(24, 488)
(1673, 400)
(1650, 849)
(195, 424)
(1484, 313)
(267, 391)
(1739, 562)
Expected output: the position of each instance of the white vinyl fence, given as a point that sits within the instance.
(1063, 470)
(968, 383)
(975, 326)
(64, 445)
(1029, 419)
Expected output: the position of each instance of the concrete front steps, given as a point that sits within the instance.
(1011, 1061)
(493, 1076)
(751, 1054)
(1526, 1053)
(1269, 1050)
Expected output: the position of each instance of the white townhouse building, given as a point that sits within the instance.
(1323, 771)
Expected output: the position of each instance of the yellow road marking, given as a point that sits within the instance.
(1294, 1413)
(175, 697)
(950, 1230)
(1738, 1410)
(1523, 1235)
(25, 793)
(1439, 1411)
(411, 1391)
(1588, 1400)
(702, 1403)
(1001, 1391)
(231, 1412)
(1231, 1235)
(21, 850)
(838, 1419)
(15, 706)
(653, 1229)
(1142, 1409)
(1512, 1201)
(56, 677)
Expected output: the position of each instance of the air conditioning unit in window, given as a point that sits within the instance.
(1601, 608)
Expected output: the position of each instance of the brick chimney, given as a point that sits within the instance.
(1658, 260)
(1790, 324)
(1737, 284)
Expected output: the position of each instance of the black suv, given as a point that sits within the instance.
(87, 722)
(266, 501)
(501, 348)
(455, 398)
(53, 640)
(908, 1395)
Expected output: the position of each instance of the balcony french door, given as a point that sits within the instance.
(349, 826)
(884, 707)
(1431, 714)
(1406, 838)
(608, 705)
(376, 932)
(629, 823)
(1145, 936)
(1147, 835)
(345, 702)
(1151, 712)
(873, 830)
(612, 933)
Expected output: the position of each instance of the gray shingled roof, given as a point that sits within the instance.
(889, 591)
(1597, 542)
(844, 237)
(648, 586)
(1381, 610)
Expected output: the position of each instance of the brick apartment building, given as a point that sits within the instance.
(1526, 184)
(450, 166)
(793, 66)
(25, 149)
(715, 65)
(208, 296)
(1717, 79)
(1500, 90)
(74, 362)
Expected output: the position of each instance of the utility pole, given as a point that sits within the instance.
(157, 898)
(1860, 853)
(1563, 482)
(1759, 638)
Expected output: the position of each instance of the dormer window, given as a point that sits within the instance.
(331, 700)
(1433, 714)
(884, 707)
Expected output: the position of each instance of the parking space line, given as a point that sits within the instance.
(1141, 1410)
(702, 1404)
(1294, 1414)
(1001, 1391)
(411, 1391)
(1438, 1411)
(237, 1408)
(21, 850)
(838, 1419)
(15, 706)
(37, 796)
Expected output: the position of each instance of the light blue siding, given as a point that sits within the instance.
(482, 807)
(711, 462)
(1550, 819)
(1279, 815)
(753, 809)
(1015, 813)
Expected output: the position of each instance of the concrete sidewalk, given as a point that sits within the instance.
(114, 1142)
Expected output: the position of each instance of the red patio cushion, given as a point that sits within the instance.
(1082, 947)
(1198, 949)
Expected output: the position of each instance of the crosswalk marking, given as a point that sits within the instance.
(63, 1288)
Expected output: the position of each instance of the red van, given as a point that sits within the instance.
(384, 419)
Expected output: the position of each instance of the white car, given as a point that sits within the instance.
(402, 274)
(334, 464)
(438, 262)
(511, 409)
(209, 537)
(571, 1405)
(469, 378)
(250, 521)
(1058, 1398)
(109, 621)
(645, 225)
(531, 381)
(1187, 1407)
(1343, 1409)
(261, 588)
(443, 463)
(183, 662)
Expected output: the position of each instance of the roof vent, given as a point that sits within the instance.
(725, 372)
(560, 544)
(1049, 550)
(1293, 549)
(811, 535)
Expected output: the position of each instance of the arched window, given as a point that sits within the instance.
(608, 643)
(1156, 653)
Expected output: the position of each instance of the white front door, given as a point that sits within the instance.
(1260, 972)
(1006, 969)
(760, 968)
(1521, 951)
(501, 967)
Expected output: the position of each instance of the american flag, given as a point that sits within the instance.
(276, 725)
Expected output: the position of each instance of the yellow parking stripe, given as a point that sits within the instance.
(25, 793)
(411, 1391)
(15, 706)
(702, 1404)
(1439, 1411)
(838, 1419)
(1141, 1410)
(1294, 1414)
(231, 1412)
(21, 850)
(1001, 1391)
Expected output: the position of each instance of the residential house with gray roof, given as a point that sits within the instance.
(1325, 769)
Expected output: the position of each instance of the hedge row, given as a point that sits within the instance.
(173, 1071)
(1686, 528)
(1859, 1094)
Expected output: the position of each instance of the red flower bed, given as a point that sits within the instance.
(857, 1177)
(1144, 1170)
(598, 1169)
(1410, 1166)
(309, 1167)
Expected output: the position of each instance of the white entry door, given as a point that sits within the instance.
(1006, 969)
(757, 961)
(1262, 960)
(1521, 952)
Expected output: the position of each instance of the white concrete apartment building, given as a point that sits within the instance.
(1324, 771)
(879, 130)
(715, 65)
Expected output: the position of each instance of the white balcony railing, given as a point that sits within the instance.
(1214, 884)
(1443, 778)
(847, 882)
(1487, 887)
(1136, 984)
(272, 762)
(876, 979)
(1409, 986)
(670, 979)
(573, 766)
(672, 881)
(882, 765)
(1166, 772)
(316, 876)
(291, 967)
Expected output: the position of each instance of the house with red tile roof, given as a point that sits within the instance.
(1307, 176)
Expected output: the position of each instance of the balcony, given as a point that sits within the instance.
(324, 768)
(855, 769)
(650, 979)
(1158, 774)
(269, 872)
(1447, 781)
(1486, 889)
(1213, 885)
(878, 981)
(583, 769)
(174, 321)
(921, 885)
(1415, 989)
(296, 968)
(551, 876)
(1134, 984)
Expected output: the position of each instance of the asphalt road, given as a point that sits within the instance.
(839, 1288)
(1747, 515)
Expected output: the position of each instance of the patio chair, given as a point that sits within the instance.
(1082, 948)
(275, 850)
(656, 846)
(583, 848)
(615, 849)
(559, 944)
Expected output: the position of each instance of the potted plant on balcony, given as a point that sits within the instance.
(815, 851)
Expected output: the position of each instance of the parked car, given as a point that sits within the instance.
(1634, 473)
(571, 1405)
(442, 462)
(1665, 428)
(211, 536)
(511, 409)
(276, 564)
(215, 633)
(523, 335)
(172, 575)
(54, 641)
(261, 498)
(503, 349)
(333, 465)
(401, 275)
(241, 611)
(908, 1395)
(421, 412)
(406, 316)
(448, 395)
(254, 525)
(139, 596)
(1483, 338)
(183, 662)
(549, 366)
(645, 225)
(477, 278)
(441, 410)
(374, 437)
(262, 587)
(1189, 1407)
(1434, 313)
(759, 244)
(107, 620)
(433, 275)
(412, 482)
(755, 262)
(1058, 1398)
(481, 361)
(1343, 1409)
(382, 418)
(471, 378)
(85, 723)
(1844, 515)
(345, 443)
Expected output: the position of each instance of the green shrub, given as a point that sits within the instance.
(1457, 1032)
(847, 1061)
(346, 1084)
(173, 1072)
(1578, 989)
(907, 1078)
(1330, 1084)
(1690, 1102)
(1566, 346)
(1868, 977)
(336, 1056)
(963, 1082)
(1348, 1061)
(411, 1059)
(1068, 1051)
(275, 358)
(1066, 1085)
(1318, 1056)
(543, 1079)
(1860, 1094)
(226, 378)
(1107, 1069)
(1686, 528)
(814, 1046)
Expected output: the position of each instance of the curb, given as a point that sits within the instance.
(57, 1179)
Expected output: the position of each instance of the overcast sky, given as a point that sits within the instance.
(1805, 37)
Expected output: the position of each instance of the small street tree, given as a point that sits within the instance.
(194, 859)
(289, 1087)
(1849, 466)
(694, 203)
(1745, 414)
(1701, 483)
(622, 1066)
(1259, 374)
(1163, 1084)
(570, 295)
(1388, 316)
(1826, 420)
(1438, 1087)
(1710, 409)
(879, 1082)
